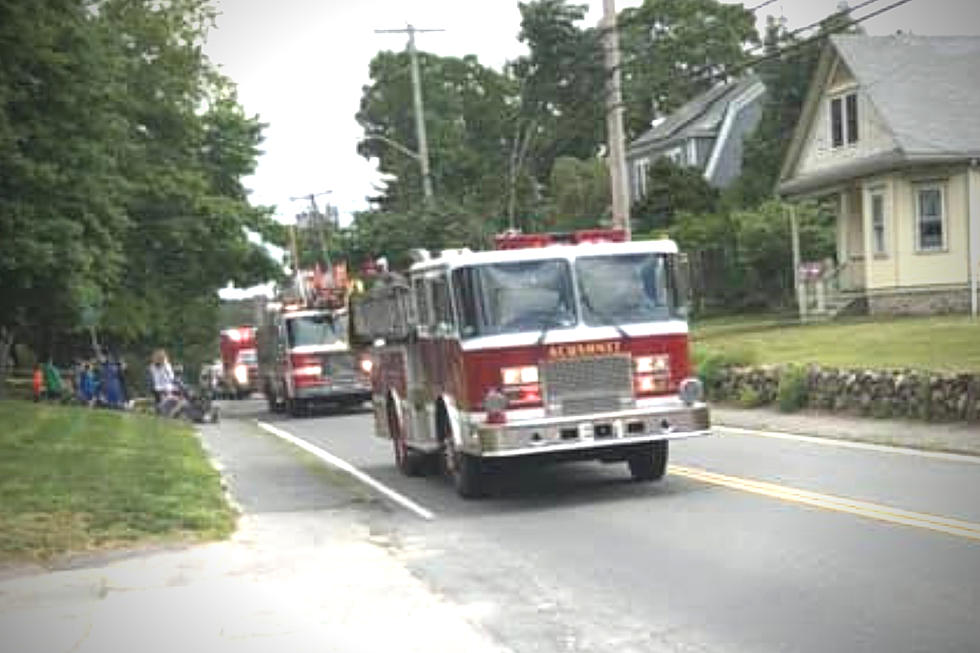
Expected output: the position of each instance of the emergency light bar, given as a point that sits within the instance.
(517, 240)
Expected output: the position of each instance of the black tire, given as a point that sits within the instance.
(466, 471)
(296, 408)
(408, 461)
(649, 463)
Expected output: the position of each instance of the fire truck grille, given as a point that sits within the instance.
(339, 368)
(577, 386)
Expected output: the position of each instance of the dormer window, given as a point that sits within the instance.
(844, 120)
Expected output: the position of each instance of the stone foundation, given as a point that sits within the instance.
(920, 301)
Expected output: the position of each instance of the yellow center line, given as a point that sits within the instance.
(879, 512)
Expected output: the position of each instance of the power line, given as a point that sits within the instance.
(760, 6)
(698, 72)
(796, 46)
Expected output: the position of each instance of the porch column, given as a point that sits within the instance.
(801, 300)
(973, 229)
(864, 201)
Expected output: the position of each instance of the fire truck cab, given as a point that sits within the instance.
(239, 361)
(548, 348)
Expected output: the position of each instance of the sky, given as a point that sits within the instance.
(301, 66)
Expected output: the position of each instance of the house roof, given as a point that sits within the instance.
(926, 90)
(700, 116)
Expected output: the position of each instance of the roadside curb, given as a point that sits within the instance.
(223, 474)
(949, 438)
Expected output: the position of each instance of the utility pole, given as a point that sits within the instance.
(315, 224)
(423, 154)
(614, 122)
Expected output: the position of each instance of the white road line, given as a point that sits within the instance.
(345, 466)
(851, 444)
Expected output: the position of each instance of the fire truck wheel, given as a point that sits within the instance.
(410, 463)
(466, 471)
(650, 462)
(297, 408)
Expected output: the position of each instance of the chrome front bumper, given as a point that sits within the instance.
(579, 433)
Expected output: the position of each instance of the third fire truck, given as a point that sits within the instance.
(548, 348)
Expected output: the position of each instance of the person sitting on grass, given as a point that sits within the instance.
(37, 382)
(53, 386)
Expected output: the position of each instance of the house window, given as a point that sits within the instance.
(930, 214)
(640, 170)
(844, 120)
(851, 106)
(878, 223)
(836, 123)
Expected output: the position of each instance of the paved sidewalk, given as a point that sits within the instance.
(956, 438)
(301, 574)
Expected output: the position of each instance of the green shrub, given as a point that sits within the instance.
(749, 398)
(792, 392)
(711, 366)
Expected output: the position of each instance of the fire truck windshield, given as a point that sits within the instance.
(623, 289)
(516, 296)
(314, 329)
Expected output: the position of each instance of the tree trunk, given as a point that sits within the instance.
(6, 342)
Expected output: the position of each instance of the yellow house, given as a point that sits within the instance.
(890, 133)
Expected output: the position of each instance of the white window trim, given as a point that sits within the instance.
(882, 192)
(944, 221)
(641, 169)
(842, 96)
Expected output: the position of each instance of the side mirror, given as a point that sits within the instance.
(681, 273)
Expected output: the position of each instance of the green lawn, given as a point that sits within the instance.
(947, 343)
(77, 479)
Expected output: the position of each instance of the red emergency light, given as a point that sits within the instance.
(516, 240)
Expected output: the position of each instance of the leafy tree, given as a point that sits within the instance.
(191, 144)
(60, 182)
(579, 193)
(468, 116)
(394, 234)
(675, 49)
(786, 71)
(562, 82)
(671, 190)
(121, 157)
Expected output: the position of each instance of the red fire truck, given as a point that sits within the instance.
(238, 361)
(305, 358)
(549, 348)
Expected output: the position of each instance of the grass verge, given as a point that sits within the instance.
(76, 479)
(939, 344)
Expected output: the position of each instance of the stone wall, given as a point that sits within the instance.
(878, 393)
(920, 302)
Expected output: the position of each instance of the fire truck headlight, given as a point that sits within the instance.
(651, 364)
(241, 374)
(519, 375)
(366, 365)
(691, 391)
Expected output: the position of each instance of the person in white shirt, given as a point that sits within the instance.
(165, 389)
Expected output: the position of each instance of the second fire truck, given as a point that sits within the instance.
(549, 348)
(305, 358)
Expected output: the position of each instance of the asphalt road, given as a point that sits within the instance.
(749, 544)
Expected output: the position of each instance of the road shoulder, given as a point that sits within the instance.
(300, 573)
(952, 438)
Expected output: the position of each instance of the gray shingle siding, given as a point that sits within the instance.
(698, 129)
(729, 165)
